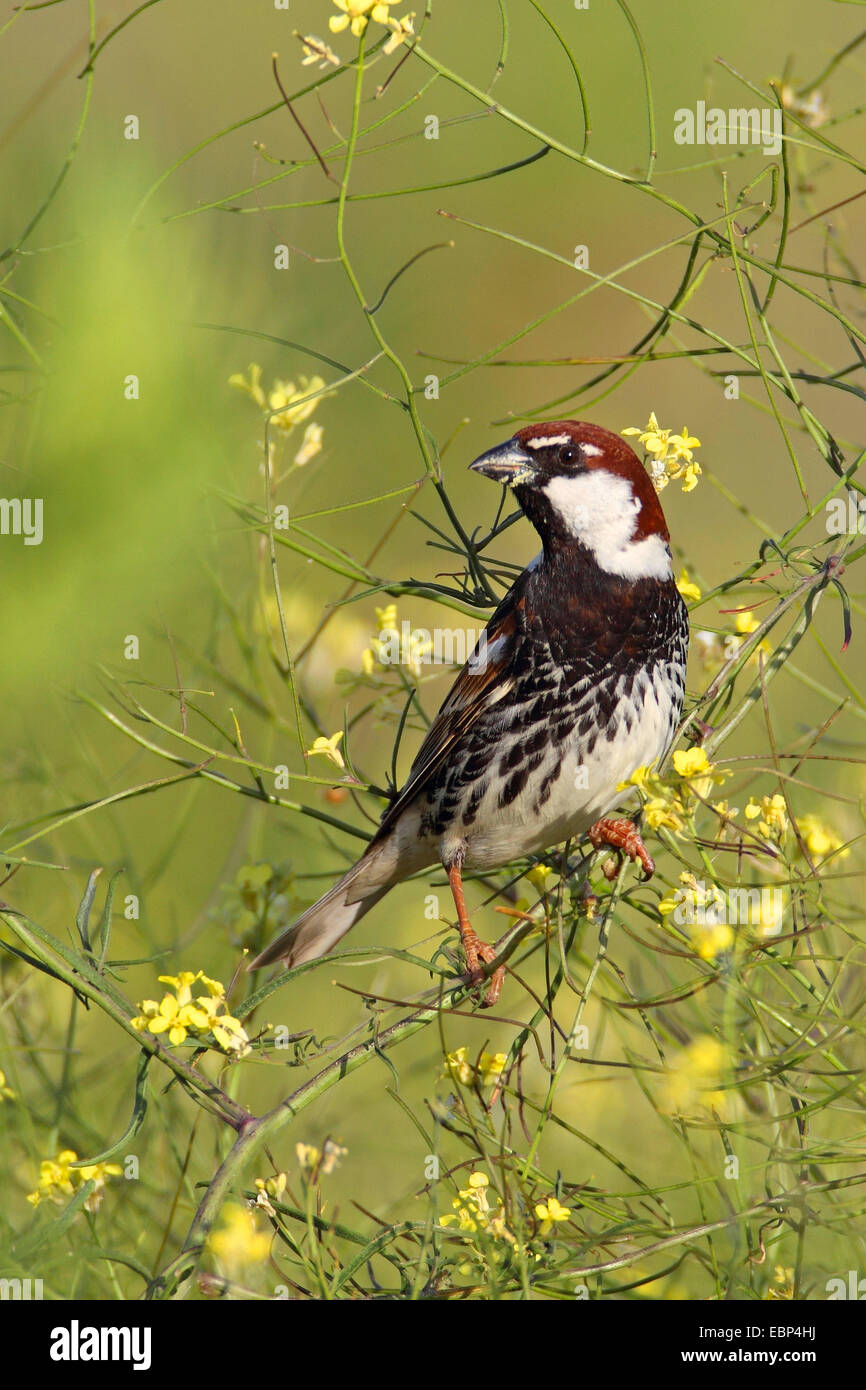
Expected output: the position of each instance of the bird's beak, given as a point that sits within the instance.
(508, 463)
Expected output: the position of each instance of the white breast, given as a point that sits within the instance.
(588, 783)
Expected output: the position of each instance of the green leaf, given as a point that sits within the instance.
(82, 916)
(105, 919)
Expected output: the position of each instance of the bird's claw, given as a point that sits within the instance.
(486, 953)
(622, 835)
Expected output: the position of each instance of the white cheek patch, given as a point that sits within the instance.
(600, 510)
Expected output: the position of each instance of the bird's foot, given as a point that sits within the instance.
(621, 835)
(474, 950)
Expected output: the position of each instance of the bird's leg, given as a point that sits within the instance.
(473, 949)
(623, 835)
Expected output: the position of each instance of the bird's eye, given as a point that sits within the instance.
(567, 454)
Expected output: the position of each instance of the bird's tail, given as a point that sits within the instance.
(318, 930)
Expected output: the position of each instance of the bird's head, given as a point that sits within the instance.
(582, 486)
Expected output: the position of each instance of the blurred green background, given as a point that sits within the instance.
(120, 277)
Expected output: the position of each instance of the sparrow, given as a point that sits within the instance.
(576, 681)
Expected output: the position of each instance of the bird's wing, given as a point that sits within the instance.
(486, 678)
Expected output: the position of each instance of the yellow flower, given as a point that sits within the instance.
(228, 1031)
(466, 1216)
(216, 988)
(687, 587)
(670, 454)
(691, 762)
(267, 1188)
(179, 1014)
(667, 807)
(163, 1016)
(253, 386)
(312, 445)
(711, 939)
(275, 1187)
(661, 812)
(238, 1241)
(486, 1071)
(661, 806)
(286, 403)
(181, 984)
(693, 765)
(701, 908)
(491, 1065)
(549, 1213)
(6, 1092)
(785, 1278)
(392, 645)
(690, 477)
(328, 748)
(694, 1077)
(308, 1157)
(681, 445)
(317, 51)
(458, 1067)
(386, 618)
(773, 814)
(58, 1179)
(644, 778)
(538, 877)
(354, 15)
(819, 838)
(98, 1173)
(654, 439)
(291, 402)
(401, 30)
(314, 1163)
(473, 1211)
